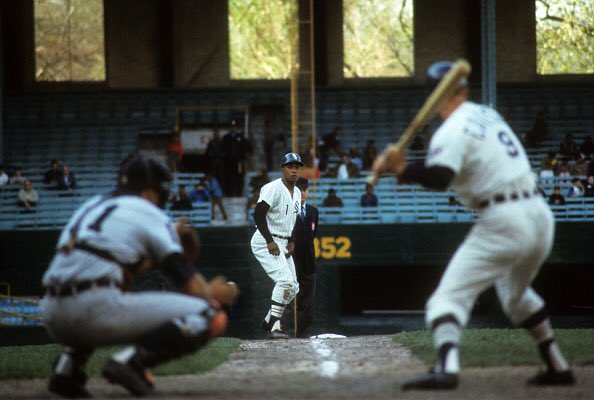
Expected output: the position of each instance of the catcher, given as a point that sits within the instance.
(106, 242)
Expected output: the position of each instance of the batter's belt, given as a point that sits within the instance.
(281, 237)
(512, 196)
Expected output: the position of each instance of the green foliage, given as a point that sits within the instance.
(378, 38)
(262, 36)
(564, 36)
(26, 362)
(497, 347)
(69, 40)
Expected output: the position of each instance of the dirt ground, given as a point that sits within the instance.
(363, 367)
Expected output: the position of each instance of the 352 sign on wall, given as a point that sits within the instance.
(329, 247)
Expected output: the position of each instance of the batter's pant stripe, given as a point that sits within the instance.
(443, 319)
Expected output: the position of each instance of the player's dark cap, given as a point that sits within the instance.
(302, 183)
(291, 158)
(437, 71)
(146, 173)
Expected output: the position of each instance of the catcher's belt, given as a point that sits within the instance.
(74, 288)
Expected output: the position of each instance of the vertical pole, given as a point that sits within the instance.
(488, 53)
(1, 91)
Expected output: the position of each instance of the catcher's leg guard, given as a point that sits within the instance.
(68, 377)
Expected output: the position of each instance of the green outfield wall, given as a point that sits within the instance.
(360, 267)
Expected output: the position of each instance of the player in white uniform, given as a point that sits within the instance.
(272, 243)
(476, 153)
(106, 241)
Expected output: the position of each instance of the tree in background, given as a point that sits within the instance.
(564, 36)
(69, 43)
(262, 34)
(378, 38)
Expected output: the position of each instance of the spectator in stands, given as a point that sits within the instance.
(200, 194)
(453, 202)
(17, 178)
(568, 147)
(556, 198)
(576, 189)
(369, 154)
(215, 154)
(589, 186)
(260, 179)
(330, 143)
(539, 131)
(562, 169)
(548, 164)
(580, 166)
(66, 179)
(587, 147)
(368, 199)
(332, 200)
(235, 154)
(355, 158)
(346, 169)
(51, 176)
(417, 143)
(4, 179)
(181, 200)
(174, 150)
(271, 134)
(28, 197)
(216, 194)
(310, 170)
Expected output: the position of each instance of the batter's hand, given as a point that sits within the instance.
(273, 248)
(290, 249)
(391, 160)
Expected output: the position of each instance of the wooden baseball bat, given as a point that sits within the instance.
(446, 87)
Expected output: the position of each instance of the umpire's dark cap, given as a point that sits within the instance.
(291, 158)
(437, 71)
(302, 183)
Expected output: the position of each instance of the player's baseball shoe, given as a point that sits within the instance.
(137, 381)
(432, 381)
(265, 326)
(67, 386)
(277, 334)
(549, 377)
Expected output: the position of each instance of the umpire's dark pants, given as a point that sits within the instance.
(306, 300)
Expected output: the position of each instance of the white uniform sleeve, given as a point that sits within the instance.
(268, 194)
(162, 239)
(447, 147)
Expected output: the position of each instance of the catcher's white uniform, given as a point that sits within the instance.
(111, 232)
(281, 217)
(515, 229)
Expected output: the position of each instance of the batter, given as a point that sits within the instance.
(477, 154)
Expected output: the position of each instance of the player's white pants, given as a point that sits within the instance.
(279, 268)
(506, 247)
(106, 316)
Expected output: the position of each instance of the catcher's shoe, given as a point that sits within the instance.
(67, 386)
(549, 377)
(432, 381)
(278, 334)
(138, 382)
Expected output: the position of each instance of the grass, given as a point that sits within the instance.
(497, 347)
(25, 362)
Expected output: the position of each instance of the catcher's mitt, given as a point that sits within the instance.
(190, 240)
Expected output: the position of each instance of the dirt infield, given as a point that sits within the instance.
(363, 367)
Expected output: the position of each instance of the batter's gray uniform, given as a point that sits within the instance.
(111, 232)
(281, 217)
(514, 232)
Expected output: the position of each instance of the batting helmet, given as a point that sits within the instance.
(146, 173)
(437, 71)
(291, 158)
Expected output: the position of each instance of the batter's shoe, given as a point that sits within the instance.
(67, 386)
(552, 378)
(265, 326)
(137, 381)
(432, 381)
(278, 334)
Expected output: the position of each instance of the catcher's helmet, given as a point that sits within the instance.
(437, 71)
(291, 158)
(146, 173)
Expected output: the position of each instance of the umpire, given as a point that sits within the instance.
(304, 257)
